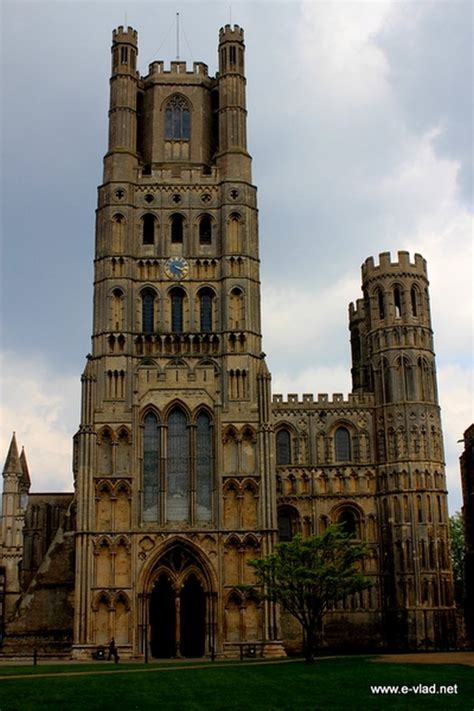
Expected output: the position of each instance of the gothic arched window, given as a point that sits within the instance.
(342, 444)
(177, 462)
(380, 304)
(205, 230)
(414, 295)
(177, 223)
(287, 523)
(148, 233)
(148, 310)
(177, 119)
(177, 301)
(397, 301)
(151, 467)
(283, 447)
(348, 520)
(203, 466)
(205, 310)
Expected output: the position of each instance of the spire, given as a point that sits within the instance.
(25, 474)
(12, 462)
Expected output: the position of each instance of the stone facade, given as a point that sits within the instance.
(467, 478)
(185, 467)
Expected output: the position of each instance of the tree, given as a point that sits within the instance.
(308, 576)
(456, 528)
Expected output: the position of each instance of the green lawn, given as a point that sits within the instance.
(330, 684)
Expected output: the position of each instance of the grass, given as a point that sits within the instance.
(331, 684)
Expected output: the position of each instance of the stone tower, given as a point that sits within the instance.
(16, 485)
(173, 456)
(393, 356)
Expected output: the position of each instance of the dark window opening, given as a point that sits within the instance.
(283, 447)
(205, 230)
(148, 311)
(348, 520)
(177, 299)
(397, 299)
(413, 301)
(380, 304)
(124, 55)
(177, 229)
(232, 55)
(285, 528)
(342, 442)
(205, 302)
(148, 229)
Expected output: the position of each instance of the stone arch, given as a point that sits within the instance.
(174, 564)
(103, 563)
(233, 617)
(101, 607)
(232, 572)
(232, 495)
(234, 233)
(231, 447)
(288, 522)
(249, 504)
(351, 515)
(248, 446)
(104, 493)
(122, 618)
(117, 224)
(236, 310)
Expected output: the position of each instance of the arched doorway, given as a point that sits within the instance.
(180, 606)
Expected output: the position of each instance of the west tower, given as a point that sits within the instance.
(173, 456)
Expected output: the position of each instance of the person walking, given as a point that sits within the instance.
(113, 652)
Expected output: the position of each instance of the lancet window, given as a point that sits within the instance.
(177, 488)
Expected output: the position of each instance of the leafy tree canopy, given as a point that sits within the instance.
(308, 576)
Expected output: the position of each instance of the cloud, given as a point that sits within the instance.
(456, 385)
(43, 409)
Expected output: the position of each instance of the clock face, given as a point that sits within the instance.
(176, 268)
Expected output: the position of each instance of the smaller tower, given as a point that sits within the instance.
(393, 356)
(232, 157)
(16, 485)
(121, 157)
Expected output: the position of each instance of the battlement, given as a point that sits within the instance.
(324, 399)
(356, 311)
(128, 35)
(231, 34)
(178, 68)
(403, 264)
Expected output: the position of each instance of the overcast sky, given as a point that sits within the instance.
(360, 127)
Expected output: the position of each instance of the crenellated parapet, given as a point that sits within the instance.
(337, 399)
(177, 70)
(385, 266)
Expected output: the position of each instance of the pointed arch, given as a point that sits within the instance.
(177, 110)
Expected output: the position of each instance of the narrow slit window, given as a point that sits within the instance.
(177, 299)
(283, 447)
(148, 311)
(397, 300)
(205, 304)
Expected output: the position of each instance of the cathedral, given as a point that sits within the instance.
(185, 465)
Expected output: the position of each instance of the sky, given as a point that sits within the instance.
(360, 127)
